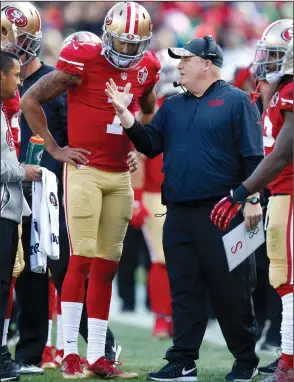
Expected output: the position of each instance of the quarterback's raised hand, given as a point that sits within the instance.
(224, 212)
(120, 100)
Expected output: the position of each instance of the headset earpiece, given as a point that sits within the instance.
(211, 46)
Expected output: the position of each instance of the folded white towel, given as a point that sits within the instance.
(45, 222)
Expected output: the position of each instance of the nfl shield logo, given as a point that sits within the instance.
(124, 76)
(142, 75)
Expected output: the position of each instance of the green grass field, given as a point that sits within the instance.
(142, 354)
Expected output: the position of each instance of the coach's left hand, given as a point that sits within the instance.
(252, 215)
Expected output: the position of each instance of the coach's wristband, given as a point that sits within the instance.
(240, 194)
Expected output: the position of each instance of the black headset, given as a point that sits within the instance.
(211, 46)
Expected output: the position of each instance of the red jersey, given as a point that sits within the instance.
(153, 174)
(273, 120)
(13, 112)
(92, 122)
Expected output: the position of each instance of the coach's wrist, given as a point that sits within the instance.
(240, 194)
(127, 119)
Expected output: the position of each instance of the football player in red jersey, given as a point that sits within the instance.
(158, 284)
(98, 193)
(274, 61)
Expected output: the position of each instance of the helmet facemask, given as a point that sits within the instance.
(120, 60)
(271, 63)
(26, 44)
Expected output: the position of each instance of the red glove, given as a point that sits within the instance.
(224, 212)
(140, 212)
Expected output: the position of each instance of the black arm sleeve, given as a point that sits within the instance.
(140, 138)
(148, 139)
(250, 164)
(247, 128)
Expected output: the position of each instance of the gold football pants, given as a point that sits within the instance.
(98, 206)
(279, 240)
(153, 229)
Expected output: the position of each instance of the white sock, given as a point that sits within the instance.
(71, 318)
(49, 338)
(287, 324)
(5, 331)
(59, 336)
(96, 339)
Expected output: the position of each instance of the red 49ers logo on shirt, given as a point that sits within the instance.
(16, 17)
(10, 140)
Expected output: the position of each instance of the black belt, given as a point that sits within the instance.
(196, 202)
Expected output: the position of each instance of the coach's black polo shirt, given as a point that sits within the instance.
(203, 140)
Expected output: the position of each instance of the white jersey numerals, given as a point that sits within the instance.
(268, 139)
(115, 127)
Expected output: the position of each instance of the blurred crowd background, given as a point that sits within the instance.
(235, 25)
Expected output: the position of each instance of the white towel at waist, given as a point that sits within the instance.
(45, 222)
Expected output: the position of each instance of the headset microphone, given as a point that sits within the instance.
(176, 84)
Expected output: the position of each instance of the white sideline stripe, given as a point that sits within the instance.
(71, 62)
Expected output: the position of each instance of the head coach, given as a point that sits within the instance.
(211, 140)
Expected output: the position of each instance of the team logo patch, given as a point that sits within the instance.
(10, 140)
(142, 75)
(53, 199)
(216, 102)
(287, 34)
(109, 18)
(124, 76)
(16, 17)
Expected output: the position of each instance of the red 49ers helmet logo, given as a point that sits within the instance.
(109, 18)
(16, 17)
(130, 36)
(287, 34)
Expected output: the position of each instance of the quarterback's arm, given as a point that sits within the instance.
(276, 161)
(44, 90)
(147, 103)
